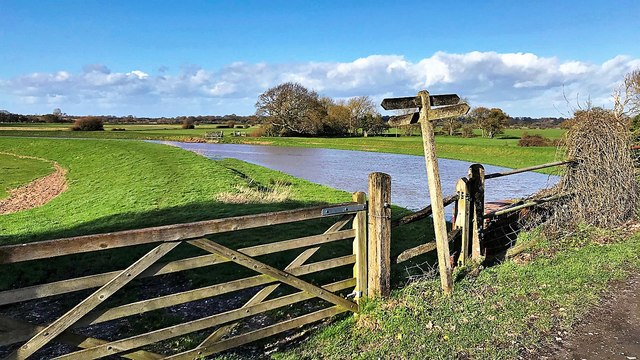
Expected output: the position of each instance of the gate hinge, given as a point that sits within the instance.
(337, 210)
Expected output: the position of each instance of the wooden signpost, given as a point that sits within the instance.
(447, 106)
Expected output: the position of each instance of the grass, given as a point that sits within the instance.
(501, 151)
(506, 311)
(169, 132)
(20, 171)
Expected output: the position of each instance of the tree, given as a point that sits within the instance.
(373, 125)
(627, 97)
(338, 117)
(451, 125)
(290, 109)
(360, 107)
(57, 112)
(491, 121)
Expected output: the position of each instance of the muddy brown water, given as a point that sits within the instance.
(348, 170)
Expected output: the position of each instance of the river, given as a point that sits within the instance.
(348, 170)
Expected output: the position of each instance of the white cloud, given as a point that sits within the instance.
(521, 83)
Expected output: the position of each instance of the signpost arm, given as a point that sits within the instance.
(435, 193)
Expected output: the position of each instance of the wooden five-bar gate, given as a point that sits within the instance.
(22, 339)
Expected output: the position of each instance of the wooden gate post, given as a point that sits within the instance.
(476, 192)
(435, 193)
(463, 219)
(379, 243)
(360, 248)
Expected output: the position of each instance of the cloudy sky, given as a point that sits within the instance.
(169, 58)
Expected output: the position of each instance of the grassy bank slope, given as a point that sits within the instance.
(20, 171)
(506, 311)
(115, 185)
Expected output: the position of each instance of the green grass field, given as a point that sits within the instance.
(20, 171)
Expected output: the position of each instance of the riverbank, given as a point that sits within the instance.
(501, 151)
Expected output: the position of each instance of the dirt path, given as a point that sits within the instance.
(35, 193)
(612, 331)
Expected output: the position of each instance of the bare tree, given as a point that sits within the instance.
(360, 107)
(291, 109)
(626, 98)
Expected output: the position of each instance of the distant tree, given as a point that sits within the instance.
(467, 131)
(90, 123)
(373, 125)
(451, 125)
(627, 97)
(360, 107)
(290, 109)
(338, 117)
(57, 112)
(490, 121)
(188, 122)
(51, 118)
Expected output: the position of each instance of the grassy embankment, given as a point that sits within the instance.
(18, 171)
(501, 151)
(507, 311)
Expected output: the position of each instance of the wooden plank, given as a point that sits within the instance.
(280, 275)
(360, 248)
(264, 293)
(379, 243)
(423, 213)
(416, 102)
(85, 306)
(134, 342)
(67, 338)
(475, 183)
(143, 306)
(435, 193)
(87, 282)
(530, 168)
(258, 334)
(80, 244)
(422, 248)
(463, 220)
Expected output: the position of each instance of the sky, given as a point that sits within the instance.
(173, 58)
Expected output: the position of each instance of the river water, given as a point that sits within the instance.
(348, 170)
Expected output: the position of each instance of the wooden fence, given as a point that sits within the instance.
(470, 214)
(25, 339)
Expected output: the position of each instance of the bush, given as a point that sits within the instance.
(258, 132)
(188, 124)
(88, 124)
(534, 140)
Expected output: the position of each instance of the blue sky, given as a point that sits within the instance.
(162, 58)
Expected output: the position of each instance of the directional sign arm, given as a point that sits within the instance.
(416, 102)
(434, 114)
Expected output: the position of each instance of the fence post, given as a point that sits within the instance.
(463, 219)
(360, 247)
(476, 191)
(379, 242)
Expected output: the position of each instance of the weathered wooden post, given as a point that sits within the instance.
(426, 114)
(435, 193)
(476, 193)
(360, 247)
(379, 243)
(463, 219)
